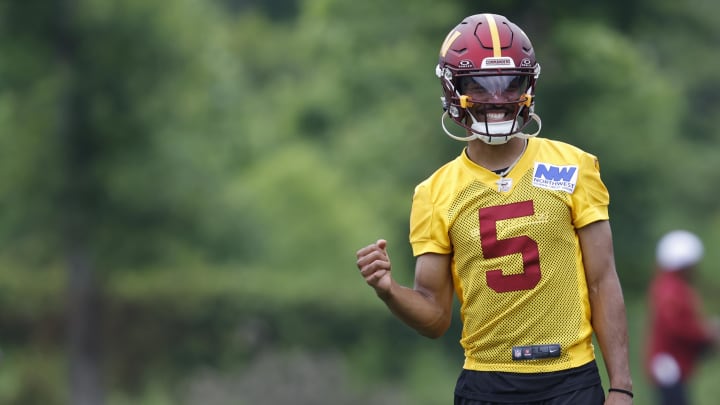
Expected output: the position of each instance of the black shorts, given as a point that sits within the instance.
(580, 385)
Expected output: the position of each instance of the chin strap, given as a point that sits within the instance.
(489, 138)
(537, 120)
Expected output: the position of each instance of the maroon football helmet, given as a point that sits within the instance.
(488, 72)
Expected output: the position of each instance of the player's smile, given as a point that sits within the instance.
(495, 113)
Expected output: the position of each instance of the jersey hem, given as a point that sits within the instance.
(527, 367)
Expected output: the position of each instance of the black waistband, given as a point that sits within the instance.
(524, 387)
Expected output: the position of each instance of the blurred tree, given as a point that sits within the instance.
(206, 170)
(109, 105)
(682, 39)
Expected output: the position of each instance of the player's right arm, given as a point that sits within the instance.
(427, 307)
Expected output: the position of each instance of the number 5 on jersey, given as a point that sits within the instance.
(493, 248)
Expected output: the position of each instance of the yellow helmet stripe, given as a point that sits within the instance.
(494, 35)
(448, 42)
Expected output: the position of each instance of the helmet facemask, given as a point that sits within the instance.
(492, 107)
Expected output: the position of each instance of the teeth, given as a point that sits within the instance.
(495, 116)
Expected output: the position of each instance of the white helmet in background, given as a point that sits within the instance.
(678, 249)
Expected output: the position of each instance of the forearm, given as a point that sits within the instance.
(607, 306)
(610, 325)
(419, 311)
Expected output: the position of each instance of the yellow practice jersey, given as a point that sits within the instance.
(517, 265)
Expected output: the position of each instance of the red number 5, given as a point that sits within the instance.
(492, 248)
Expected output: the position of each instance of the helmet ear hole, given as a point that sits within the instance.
(528, 100)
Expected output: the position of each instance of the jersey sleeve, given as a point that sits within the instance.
(590, 198)
(428, 227)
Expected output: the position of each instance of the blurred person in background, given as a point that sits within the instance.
(680, 334)
(517, 228)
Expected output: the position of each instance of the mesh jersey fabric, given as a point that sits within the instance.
(517, 265)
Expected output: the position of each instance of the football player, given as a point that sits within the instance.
(517, 228)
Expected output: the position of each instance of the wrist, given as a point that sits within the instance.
(623, 383)
(622, 391)
(385, 294)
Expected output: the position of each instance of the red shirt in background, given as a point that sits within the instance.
(677, 326)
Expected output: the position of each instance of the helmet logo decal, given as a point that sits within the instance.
(525, 62)
(502, 62)
(448, 42)
(494, 34)
(465, 63)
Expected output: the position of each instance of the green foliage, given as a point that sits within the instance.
(234, 155)
(32, 376)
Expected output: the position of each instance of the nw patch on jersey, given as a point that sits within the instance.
(553, 177)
